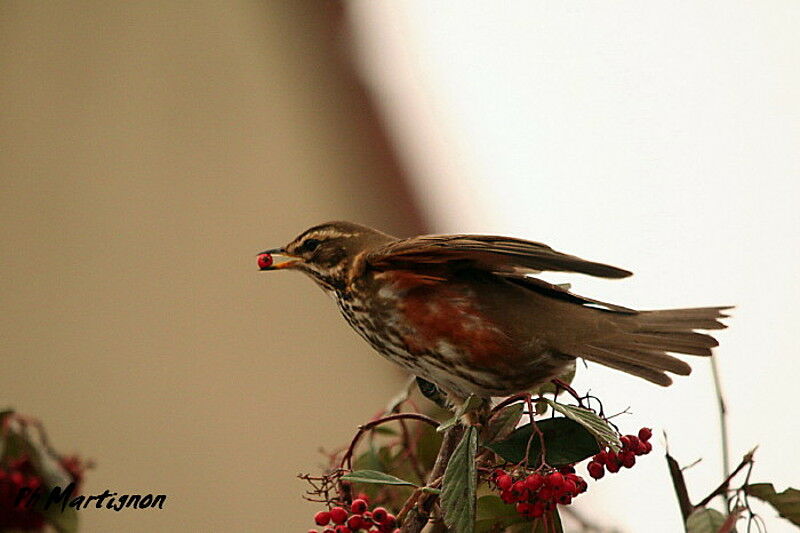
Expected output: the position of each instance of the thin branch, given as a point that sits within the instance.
(722, 489)
(511, 399)
(348, 456)
(723, 425)
(419, 515)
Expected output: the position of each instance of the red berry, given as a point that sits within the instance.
(363, 496)
(264, 261)
(328, 530)
(645, 434)
(596, 470)
(580, 483)
(601, 457)
(322, 518)
(338, 515)
(647, 447)
(358, 506)
(565, 499)
(628, 459)
(355, 522)
(570, 487)
(390, 522)
(519, 491)
(504, 482)
(524, 508)
(538, 509)
(313, 531)
(569, 469)
(614, 464)
(625, 440)
(379, 514)
(545, 494)
(17, 478)
(534, 482)
(343, 529)
(508, 497)
(554, 480)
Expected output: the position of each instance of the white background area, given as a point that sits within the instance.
(661, 137)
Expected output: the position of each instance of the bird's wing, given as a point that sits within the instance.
(485, 252)
(562, 292)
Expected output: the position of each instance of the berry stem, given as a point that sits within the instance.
(561, 384)
(543, 456)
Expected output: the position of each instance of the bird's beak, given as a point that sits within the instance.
(276, 259)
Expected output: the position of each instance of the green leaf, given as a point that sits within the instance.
(374, 459)
(65, 521)
(502, 423)
(705, 520)
(375, 477)
(428, 447)
(602, 430)
(787, 503)
(471, 404)
(459, 484)
(492, 514)
(566, 442)
(18, 442)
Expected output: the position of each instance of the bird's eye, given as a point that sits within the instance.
(310, 245)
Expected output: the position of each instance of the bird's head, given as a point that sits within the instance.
(325, 252)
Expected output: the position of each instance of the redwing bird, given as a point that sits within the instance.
(464, 312)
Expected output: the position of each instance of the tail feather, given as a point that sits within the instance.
(668, 320)
(639, 342)
(659, 361)
(678, 342)
(613, 361)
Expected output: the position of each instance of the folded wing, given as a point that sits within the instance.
(485, 252)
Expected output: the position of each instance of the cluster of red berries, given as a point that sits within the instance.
(539, 492)
(15, 476)
(358, 518)
(632, 445)
(18, 474)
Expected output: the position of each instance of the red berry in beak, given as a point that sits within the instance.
(264, 261)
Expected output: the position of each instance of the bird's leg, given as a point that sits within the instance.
(432, 392)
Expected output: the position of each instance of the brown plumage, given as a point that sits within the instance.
(464, 311)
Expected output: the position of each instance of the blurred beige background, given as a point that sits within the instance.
(148, 151)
